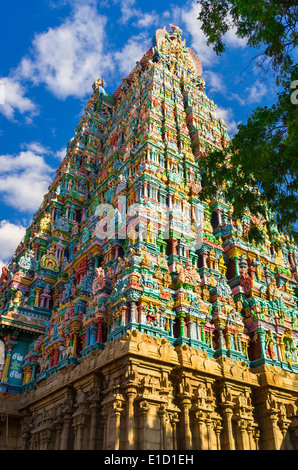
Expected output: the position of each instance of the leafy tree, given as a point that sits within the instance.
(258, 167)
(267, 24)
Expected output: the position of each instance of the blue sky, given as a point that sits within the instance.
(50, 54)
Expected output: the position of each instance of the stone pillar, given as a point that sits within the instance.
(144, 408)
(181, 316)
(220, 329)
(262, 336)
(174, 420)
(99, 330)
(201, 431)
(9, 345)
(273, 419)
(58, 429)
(228, 339)
(208, 424)
(217, 430)
(251, 443)
(65, 434)
(189, 324)
(26, 430)
(242, 434)
(45, 437)
(202, 330)
(36, 248)
(79, 424)
(227, 426)
(94, 407)
(131, 394)
(37, 293)
(163, 432)
(105, 417)
(204, 256)
(236, 261)
(186, 405)
(81, 418)
(141, 315)
(132, 312)
(219, 212)
(117, 409)
(75, 327)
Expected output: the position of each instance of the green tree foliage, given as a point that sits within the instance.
(263, 153)
(269, 25)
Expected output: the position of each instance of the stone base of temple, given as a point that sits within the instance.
(144, 393)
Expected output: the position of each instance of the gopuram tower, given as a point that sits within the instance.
(133, 314)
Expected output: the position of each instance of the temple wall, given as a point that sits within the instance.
(142, 393)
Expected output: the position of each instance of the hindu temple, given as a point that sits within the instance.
(133, 314)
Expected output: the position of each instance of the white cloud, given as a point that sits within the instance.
(215, 82)
(60, 154)
(132, 52)
(24, 178)
(231, 39)
(13, 99)
(68, 58)
(189, 19)
(227, 115)
(10, 236)
(256, 92)
(127, 11)
(147, 19)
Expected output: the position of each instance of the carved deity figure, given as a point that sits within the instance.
(270, 342)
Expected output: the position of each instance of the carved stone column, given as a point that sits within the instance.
(189, 324)
(67, 411)
(105, 418)
(284, 424)
(186, 405)
(208, 424)
(79, 424)
(58, 428)
(217, 430)
(45, 437)
(131, 394)
(174, 420)
(75, 327)
(272, 437)
(80, 419)
(227, 406)
(26, 428)
(94, 407)
(67, 419)
(144, 408)
(241, 432)
(117, 409)
(162, 413)
(201, 431)
(9, 345)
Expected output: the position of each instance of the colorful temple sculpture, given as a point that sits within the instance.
(134, 315)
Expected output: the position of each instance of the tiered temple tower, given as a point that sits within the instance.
(133, 314)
